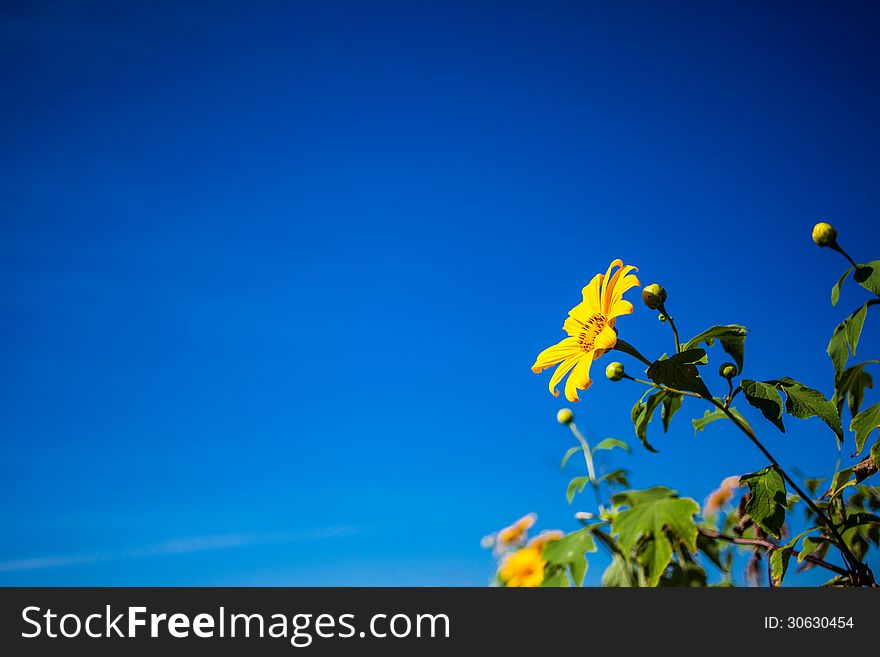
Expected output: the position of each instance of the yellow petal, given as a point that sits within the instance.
(562, 370)
(611, 289)
(621, 307)
(624, 284)
(579, 379)
(590, 304)
(606, 339)
(555, 354)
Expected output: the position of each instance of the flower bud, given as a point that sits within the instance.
(661, 318)
(564, 416)
(728, 370)
(824, 234)
(614, 371)
(654, 296)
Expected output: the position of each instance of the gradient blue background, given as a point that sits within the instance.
(274, 274)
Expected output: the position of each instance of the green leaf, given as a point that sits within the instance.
(571, 452)
(868, 276)
(611, 443)
(716, 414)
(555, 577)
(845, 338)
(671, 404)
(643, 412)
(569, 552)
(803, 402)
(679, 371)
(732, 338)
(850, 385)
(841, 480)
(575, 486)
(780, 556)
(835, 291)
(765, 398)
(766, 504)
(617, 476)
(654, 515)
(811, 544)
(864, 423)
(620, 574)
(875, 454)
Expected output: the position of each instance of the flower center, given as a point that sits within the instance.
(592, 327)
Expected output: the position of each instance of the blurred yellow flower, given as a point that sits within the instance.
(516, 533)
(721, 495)
(525, 567)
(590, 328)
(546, 536)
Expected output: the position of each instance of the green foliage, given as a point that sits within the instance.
(621, 573)
(654, 520)
(835, 291)
(716, 414)
(868, 276)
(679, 371)
(864, 423)
(568, 454)
(568, 554)
(803, 402)
(767, 503)
(642, 413)
(610, 443)
(850, 386)
(845, 338)
(575, 486)
(765, 397)
(732, 338)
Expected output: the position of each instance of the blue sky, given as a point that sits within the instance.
(274, 274)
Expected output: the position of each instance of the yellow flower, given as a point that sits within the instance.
(547, 536)
(590, 328)
(721, 495)
(525, 567)
(515, 533)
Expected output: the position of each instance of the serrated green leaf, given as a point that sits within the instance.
(732, 338)
(617, 476)
(679, 371)
(850, 386)
(845, 338)
(835, 291)
(716, 414)
(568, 454)
(840, 481)
(611, 443)
(864, 423)
(766, 504)
(868, 276)
(555, 577)
(652, 517)
(810, 545)
(620, 574)
(575, 486)
(765, 397)
(780, 557)
(803, 402)
(643, 412)
(569, 552)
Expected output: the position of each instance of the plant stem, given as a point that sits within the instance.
(627, 348)
(840, 250)
(768, 545)
(856, 568)
(585, 446)
(662, 309)
(660, 387)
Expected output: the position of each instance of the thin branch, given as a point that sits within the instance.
(770, 546)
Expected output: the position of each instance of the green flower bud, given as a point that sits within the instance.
(614, 371)
(564, 416)
(654, 296)
(728, 370)
(824, 234)
(662, 318)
